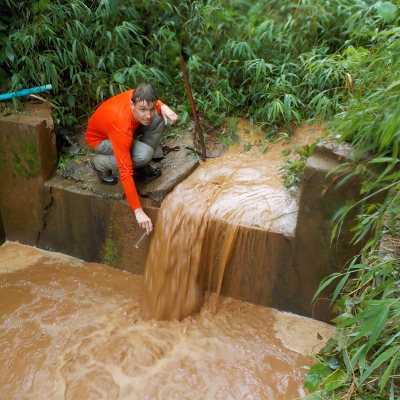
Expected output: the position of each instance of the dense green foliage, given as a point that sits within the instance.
(271, 61)
(275, 62)
(363, 361)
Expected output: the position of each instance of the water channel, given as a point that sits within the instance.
(76, 330)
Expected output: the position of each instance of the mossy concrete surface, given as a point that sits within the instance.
(28, 157)
(322, 195)
(94, 227)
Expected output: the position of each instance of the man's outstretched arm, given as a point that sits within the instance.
(166, 113)
(143, 220)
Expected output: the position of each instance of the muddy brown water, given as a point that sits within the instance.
(74, 330)
(209, 214)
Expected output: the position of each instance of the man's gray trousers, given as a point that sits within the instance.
(142, 150)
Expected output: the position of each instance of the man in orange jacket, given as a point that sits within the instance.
(110, 134)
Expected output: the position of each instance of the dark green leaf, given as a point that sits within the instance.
(387, 11)
(335, 381)
(71, 101)
(318, 372)
(333, 363)
(388, 372)
(379, 361)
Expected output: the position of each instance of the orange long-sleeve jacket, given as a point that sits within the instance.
(114, 120)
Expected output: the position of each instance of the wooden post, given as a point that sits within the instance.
(198, 129)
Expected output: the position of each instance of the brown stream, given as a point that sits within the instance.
(220, 207)
(74, 330)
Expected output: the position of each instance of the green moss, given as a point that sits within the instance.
(113, 249)
(3, 158)
(18, 167)
(28, 153)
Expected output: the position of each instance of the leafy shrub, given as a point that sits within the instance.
(269, 60)
(363, 361)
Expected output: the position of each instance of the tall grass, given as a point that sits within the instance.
(268, 60)
(362, 362)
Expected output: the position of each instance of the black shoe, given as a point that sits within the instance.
(148, 172)
(106, 178)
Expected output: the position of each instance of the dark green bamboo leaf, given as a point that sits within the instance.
(388, 372)
(335, 381)
(339, 287)
(387, 11)
(325, 283)
(10, 52)
(316, 374)
(71, 101)
(378, 362)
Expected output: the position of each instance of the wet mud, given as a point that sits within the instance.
(74, 330)
(215, 210)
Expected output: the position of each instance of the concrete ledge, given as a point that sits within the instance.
(322, 195)
(93, 227)
(333, 150)
(28, 157)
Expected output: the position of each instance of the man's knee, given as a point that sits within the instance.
(105, 163)
(104, 147)
(142, 154)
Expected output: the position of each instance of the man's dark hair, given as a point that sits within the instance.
(144, 92)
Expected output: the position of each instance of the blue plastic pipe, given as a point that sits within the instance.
(25, 92)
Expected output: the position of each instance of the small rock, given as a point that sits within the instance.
(65, 132)
(157, 197)
(75, 148)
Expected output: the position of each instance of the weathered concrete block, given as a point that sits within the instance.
(176, 167)
(316, 258)
(93, 227)
(334, 151)
(28, 157)
(262, 270)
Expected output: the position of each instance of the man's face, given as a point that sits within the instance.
(143, 112)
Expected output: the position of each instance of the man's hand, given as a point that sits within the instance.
(168, 113)
(143, 220)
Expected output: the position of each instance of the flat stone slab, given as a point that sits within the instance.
(79, 177)
(332, 149)
(175, 166)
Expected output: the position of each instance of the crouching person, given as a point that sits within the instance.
(111, 132)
